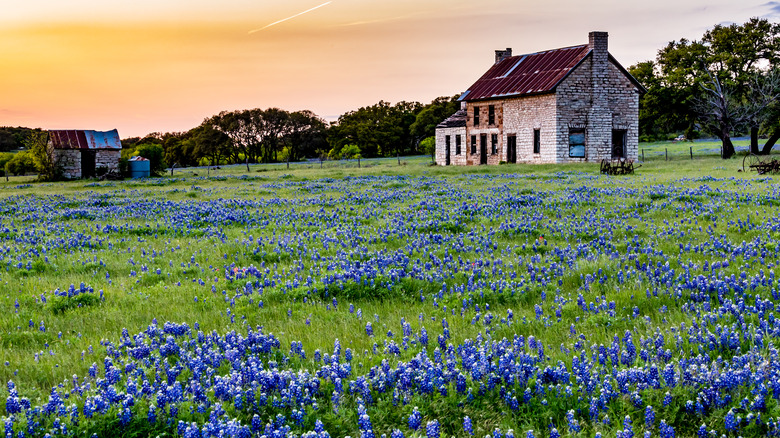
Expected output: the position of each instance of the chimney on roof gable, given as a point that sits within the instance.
(503, 54)
(597, 41)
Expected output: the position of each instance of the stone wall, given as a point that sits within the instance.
(521, 117)
(441, 142)
(69, 160)
(108, 158)
(598, 97)
(485, 128)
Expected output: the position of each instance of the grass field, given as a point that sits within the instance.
(401, 300)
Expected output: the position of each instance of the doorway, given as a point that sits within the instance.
(618, 144)
(483, 149)
(447, 150)
(88, 163)
(511, 149)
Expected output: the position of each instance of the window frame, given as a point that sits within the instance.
(537, 141)
(493, 144)
(476, 116)
(584, 143)
(491, 115)
(457, 144)
(473, 145)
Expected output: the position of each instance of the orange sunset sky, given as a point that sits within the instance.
(164, 65)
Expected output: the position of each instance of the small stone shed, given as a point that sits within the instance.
(572, 104)
(80, 153)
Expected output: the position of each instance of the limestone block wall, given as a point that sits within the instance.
(441, 146)
(107, 158)
(521, 117)
(612, 104)
(69, 160)
(485, 127)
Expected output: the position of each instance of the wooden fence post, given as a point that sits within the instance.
(691, 148)
(643, 155)
(667, 154)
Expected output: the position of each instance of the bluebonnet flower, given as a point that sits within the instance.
(432, 429)
(415, 419)
(467, 425)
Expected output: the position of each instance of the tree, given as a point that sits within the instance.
(154, 153)
(305, 135)
(37, 143)
(431, 115)
(211, 143)
(428, 146)
(717, 70)
(378, 130)
(20, 164)
(721, 112)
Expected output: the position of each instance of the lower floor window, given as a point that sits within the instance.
(473, 144)
(457, 144)
(577, 143)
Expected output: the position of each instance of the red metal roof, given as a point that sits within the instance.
(534, 73)
(81, 139)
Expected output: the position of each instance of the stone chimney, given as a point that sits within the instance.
(597, 41)
(503, 54)
(599, 132)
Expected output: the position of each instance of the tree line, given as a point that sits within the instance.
(276, 135)
(725, 84)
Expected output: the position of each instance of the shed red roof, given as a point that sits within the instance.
(534, 73)
(80, 139)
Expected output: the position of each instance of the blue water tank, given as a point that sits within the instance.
(140, 168)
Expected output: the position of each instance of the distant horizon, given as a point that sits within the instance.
(101, 66)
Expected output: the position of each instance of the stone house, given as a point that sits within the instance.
(81, 154)
(573, 104)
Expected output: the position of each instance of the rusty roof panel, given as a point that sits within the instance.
(533, 73)
(83, 139)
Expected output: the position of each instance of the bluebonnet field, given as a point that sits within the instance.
(433, 304)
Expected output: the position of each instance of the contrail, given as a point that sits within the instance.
(290, 18)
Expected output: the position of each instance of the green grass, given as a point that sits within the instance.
(123, 263)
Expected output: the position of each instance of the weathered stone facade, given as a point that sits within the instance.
(594, 107)
(80, 153)
(68, 160)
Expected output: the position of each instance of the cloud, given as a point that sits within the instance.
(774, 7)
(290, 17)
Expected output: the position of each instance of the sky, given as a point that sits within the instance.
(165, 65)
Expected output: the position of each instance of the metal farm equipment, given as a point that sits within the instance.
(760, 164)
(618, 167)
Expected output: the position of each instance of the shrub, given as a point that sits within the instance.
(20, 164)
(154, 153)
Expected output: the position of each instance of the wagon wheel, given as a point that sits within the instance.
(605, 168)
(750, 161)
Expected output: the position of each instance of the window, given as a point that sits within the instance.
(476, 116)
(494, 144)
(491, 115)
(473, 144)
(537, 141)
(577, 143)
(457, 144)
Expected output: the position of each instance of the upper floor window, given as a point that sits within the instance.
(476, 116)
(491, 115)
